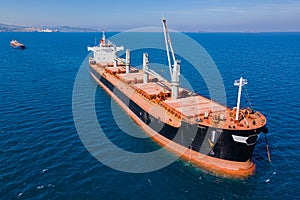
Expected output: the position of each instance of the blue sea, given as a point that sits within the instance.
(43, 157)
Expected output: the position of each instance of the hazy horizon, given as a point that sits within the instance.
(187, 16)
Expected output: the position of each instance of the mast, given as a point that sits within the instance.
(115, 56)
(127, 62)
(145, 68)
(241, 82)
(175, 71)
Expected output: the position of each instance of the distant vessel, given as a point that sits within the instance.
(17, 45)
(219, 139)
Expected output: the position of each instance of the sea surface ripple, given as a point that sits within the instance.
(42, 156)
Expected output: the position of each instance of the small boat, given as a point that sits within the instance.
(17, 45)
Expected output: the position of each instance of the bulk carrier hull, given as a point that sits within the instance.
(219, 139)
(230, 159)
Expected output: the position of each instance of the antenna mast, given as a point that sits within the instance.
(241, 82)
(175, 70)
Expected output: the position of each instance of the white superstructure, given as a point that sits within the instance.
(104, 53)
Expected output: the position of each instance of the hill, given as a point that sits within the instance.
(16, 28)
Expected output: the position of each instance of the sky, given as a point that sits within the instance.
(182, 15)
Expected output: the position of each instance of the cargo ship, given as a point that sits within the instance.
(214, 137)
(17, 45)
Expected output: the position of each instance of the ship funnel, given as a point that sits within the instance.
(145, 67)
(127, 61)
(175, 70)
(102, 41)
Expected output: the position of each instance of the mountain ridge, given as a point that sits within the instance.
(64, 28)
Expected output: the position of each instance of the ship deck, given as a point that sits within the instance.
(194, 106)
(189, 107)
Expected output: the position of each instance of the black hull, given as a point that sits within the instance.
(21, 47)
(217, 143)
